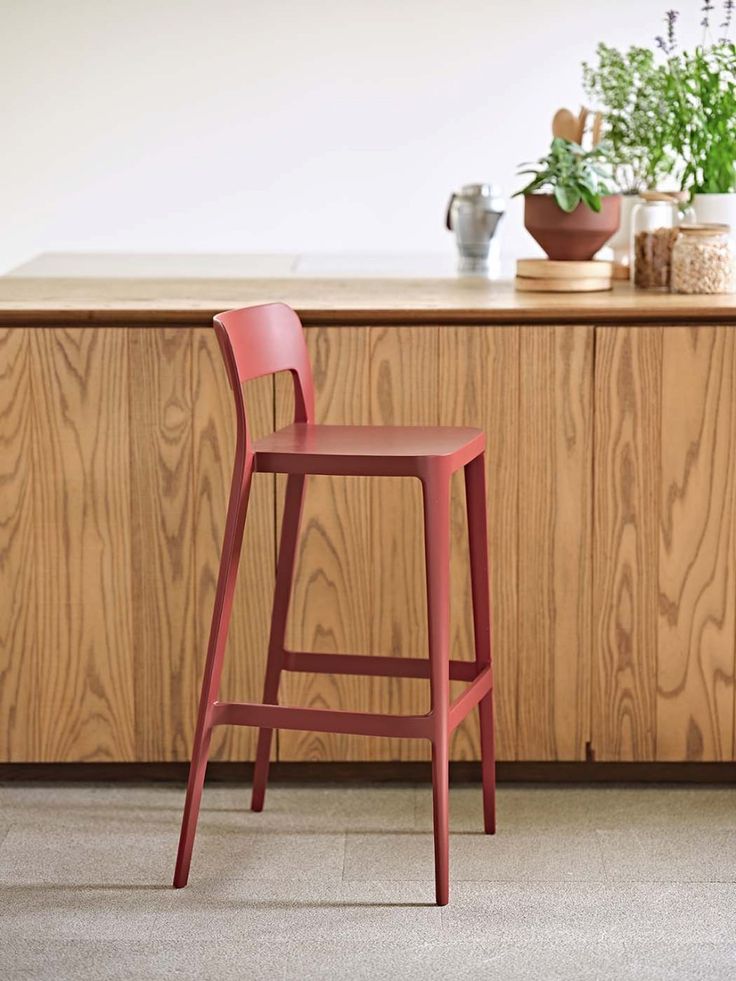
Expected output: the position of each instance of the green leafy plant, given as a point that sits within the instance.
(701, 92)
(673, 117)
(631, 89)
(571, 174)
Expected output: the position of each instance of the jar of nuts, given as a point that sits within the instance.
(703, 260)
(654, 225)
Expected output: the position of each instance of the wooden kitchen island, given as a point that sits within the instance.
(611, 421)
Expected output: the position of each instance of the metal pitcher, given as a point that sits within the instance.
(473, 214)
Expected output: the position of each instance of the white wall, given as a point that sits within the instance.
(279, 125)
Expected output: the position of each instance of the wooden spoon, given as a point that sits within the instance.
(581, 120)
(597, 131)
(565, 125)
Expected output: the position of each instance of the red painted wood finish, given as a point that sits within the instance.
(266, 339)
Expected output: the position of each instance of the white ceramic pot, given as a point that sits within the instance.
(716, 208)
(620, 243)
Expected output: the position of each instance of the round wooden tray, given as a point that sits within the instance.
(557, 269)
(595, 284)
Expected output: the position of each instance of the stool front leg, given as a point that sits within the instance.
(227, 576)
(282, 595)
(436, 493)
(475, 494)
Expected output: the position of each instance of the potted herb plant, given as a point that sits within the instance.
(568, 205)
(701, 93)
(672, 120)
(630, 88)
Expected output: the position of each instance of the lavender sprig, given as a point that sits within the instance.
(670, 44)
(728, 8)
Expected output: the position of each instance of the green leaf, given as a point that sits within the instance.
(571, 174)
(568, 198)
(592, 199)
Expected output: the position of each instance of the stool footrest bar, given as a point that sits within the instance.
(467, 701)
(373, 664)
(320, 720)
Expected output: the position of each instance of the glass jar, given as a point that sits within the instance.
(654, 224)
(703, 260)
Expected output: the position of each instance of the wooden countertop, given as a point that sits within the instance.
(190, 289)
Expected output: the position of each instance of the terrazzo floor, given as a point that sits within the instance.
(337, 883)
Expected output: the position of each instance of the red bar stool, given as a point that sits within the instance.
(261, 341)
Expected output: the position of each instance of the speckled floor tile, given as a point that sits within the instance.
(506, 857)
(597, 912)
(669, 855)
(580, 882)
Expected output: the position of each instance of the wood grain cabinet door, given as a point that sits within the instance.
(66, 634)
(116, 447)
(555, 542)
(664, 589)
(360, 582)
(479, 386)
(697, 575)
(181, 450)
(331, 605)
(19, 553)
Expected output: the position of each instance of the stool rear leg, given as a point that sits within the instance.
(226, 579)
(475, 493)
(436, 492)
(282, 594)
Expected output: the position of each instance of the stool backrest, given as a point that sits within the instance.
(264, 340)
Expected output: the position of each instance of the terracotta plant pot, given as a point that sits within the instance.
(577, 235)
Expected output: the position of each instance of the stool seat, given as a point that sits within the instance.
(366, 450)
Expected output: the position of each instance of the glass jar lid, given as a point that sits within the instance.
(706, 228)
(671, 197)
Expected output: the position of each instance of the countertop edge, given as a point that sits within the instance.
(146, 317)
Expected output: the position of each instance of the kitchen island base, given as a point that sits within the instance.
(611, 509)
